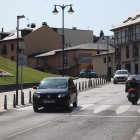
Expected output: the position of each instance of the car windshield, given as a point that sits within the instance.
(53, 84)
(121, 72)
(87, 70)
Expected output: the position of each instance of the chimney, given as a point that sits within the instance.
(25, 31)
(33, 25)
(44, 23)
(74, 28)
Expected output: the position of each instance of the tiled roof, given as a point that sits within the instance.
(13, 33)
(88, 46)
(133, 19)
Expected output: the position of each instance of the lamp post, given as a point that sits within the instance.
(70, 11)
(108, 72)
(17, 56)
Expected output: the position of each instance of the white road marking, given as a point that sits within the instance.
(101, 108)
(97, 116)
(139, 110)
(122, 109)
(137, 135)
(86, 106)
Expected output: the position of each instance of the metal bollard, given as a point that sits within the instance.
(93, 82)
(30, 97)
(85, 84)
(82, 84)
(5, 102)
(89, 83)
(76, 86)
(22, 98)
(100, 80)
(14, 100)
(79, 85)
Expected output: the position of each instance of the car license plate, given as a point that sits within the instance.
(48, 101)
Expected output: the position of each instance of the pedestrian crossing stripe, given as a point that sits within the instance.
(101, 108)
(118, 109)
(139, 110)
(122, 109)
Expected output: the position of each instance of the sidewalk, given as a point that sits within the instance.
(82, 84)
(10, 99)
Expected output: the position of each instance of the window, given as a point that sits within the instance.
(104, 59)
(65, 59)
(123, 35)
(12, 58)
(136, 68)
(137, 31)
(135, 50)
(109, 59)
(4, 49)
(127, 51)
(12, 47)
(4, 46)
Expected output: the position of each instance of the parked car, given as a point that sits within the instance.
(120, 76)
(130, 80)
(55, 92)
(88, 73)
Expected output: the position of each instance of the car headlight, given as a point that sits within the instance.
(36, 95)
(61, 95)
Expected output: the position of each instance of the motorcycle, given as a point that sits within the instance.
(133, 93)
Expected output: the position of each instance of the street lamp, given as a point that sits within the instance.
(108, 72)
(70, 11)
(17, 56)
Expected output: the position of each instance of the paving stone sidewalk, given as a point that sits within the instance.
(10, 99)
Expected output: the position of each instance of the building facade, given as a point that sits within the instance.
(127, 44)
(35, 40)
(74, 36)
(76, 58)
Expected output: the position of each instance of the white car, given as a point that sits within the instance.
(120, 76)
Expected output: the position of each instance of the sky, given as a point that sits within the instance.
(95, 15)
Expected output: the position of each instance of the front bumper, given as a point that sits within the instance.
(120, 79)
(59, 102)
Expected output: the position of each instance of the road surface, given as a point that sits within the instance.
(103, 113)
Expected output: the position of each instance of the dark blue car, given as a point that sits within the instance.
(88, 73)
(55, 92)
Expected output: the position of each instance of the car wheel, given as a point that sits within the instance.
(75, 103)
(114, 82)
(35, 108)
(126, 89)
(134, 102)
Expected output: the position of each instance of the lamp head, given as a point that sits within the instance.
(55, 11)
(21, 16)
(71, 11)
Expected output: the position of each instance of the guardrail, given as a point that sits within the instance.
(8, 99)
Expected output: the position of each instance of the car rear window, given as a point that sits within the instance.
(121, 72)
(135, 77)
